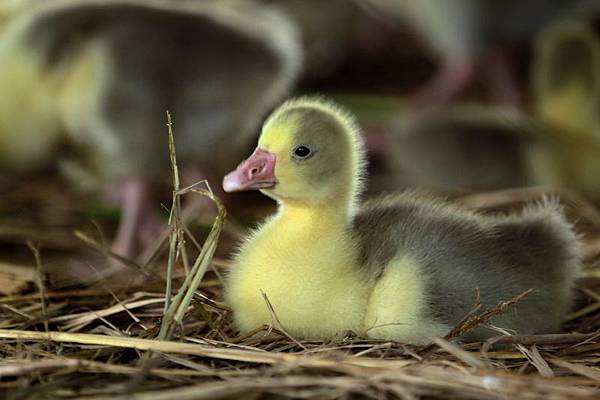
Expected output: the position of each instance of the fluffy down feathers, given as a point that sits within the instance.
(405, 267)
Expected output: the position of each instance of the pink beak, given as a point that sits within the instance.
(256, 172)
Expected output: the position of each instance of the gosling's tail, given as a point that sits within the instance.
(542, 237)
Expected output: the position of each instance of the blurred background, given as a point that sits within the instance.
(456, 97)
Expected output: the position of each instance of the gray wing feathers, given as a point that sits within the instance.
(464, 257)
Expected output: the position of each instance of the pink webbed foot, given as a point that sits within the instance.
(500, 78)
(449, 81)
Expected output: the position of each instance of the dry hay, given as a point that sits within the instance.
(111, 338)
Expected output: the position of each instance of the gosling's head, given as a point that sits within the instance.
(309, 152)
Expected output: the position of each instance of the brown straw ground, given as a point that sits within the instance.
(113, 336)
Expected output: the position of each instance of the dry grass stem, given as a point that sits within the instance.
(175, 311)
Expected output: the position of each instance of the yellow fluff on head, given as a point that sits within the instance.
(343, 116)
(280, 120)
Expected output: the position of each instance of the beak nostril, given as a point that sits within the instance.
(256, 170)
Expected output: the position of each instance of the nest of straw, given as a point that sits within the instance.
(116, 337)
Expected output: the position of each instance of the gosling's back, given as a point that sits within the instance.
(463, 258)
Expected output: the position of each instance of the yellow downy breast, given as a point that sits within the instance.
(398, 309)
(311, 281)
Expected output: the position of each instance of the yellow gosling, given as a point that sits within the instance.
(404, 267)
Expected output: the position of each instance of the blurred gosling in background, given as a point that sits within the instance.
(97, 77)
(467, 147)
(566, 89)
(470, 37)
(464, 147)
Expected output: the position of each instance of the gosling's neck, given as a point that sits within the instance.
(315, 236)
(309, 217)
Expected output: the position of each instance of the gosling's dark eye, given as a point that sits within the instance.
(302, 152)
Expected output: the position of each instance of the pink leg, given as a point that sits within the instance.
(138, 220)
(193, 206)
(378, 139)
(453, 76)
(503, 85)
(138, 226)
